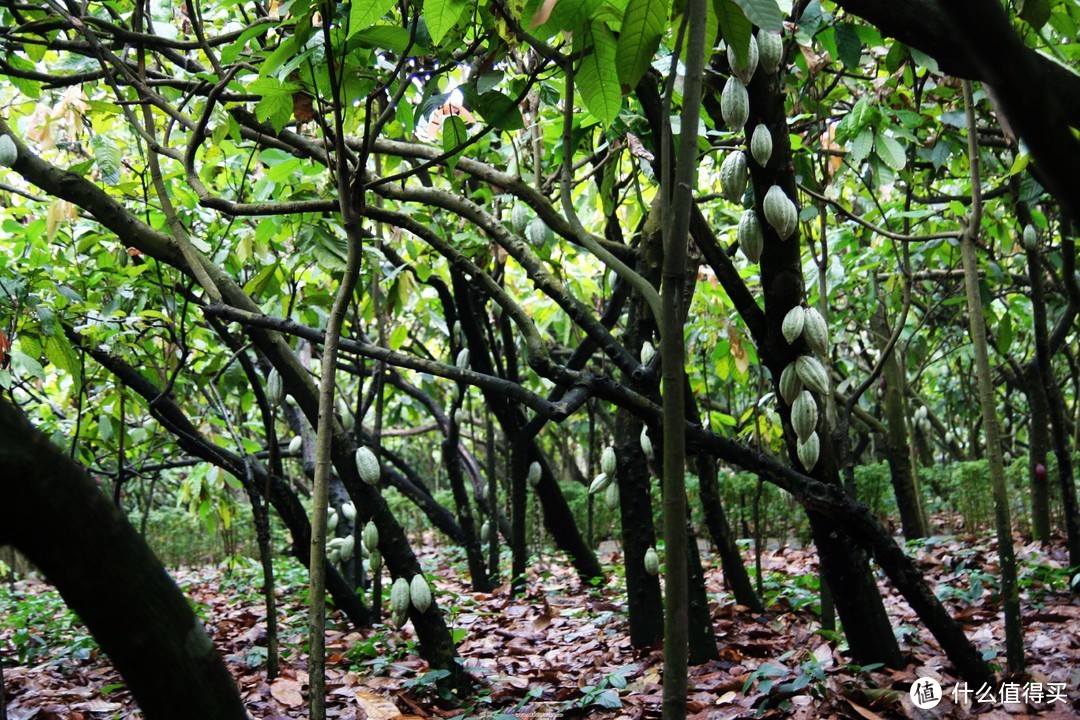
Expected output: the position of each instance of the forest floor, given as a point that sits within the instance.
(563, 650)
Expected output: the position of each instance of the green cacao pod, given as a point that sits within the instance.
(804, 415)
(770, 51)
(607, 460)
(8, 152)
(367, 465)
(611, 496)
(1031, 240)
(733, 176)
(648, 352)
(370, 536)
(538, 233)
(813, 375)
(652, 561)
(485, 531)
(790, 383)
(599, 483)
(780, 212)
(735, 104)
(751, 239)
(761, 145)
(744, 70)
(348, 510)
(462, 361)
(331, 520)
(348, 545)
(646, 443)
(420, 593)
(400, 596)
(295, 444)
(809, 450)
(275, 389)
(400, 618)
(535, 472)
(374, 562)
(816, 332)
(519, 217)
(792, 326)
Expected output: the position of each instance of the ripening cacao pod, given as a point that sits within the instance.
(780, 212)
(761, 145)
(816, 332)
(733, 176)
(370, 536)
(652, 561)
(744, 70)
(607, 460)
(348, 510)
(8, 152)
(400, 596)
(735, 104)
(790, 383)
(534, 474)
(648, 352)
(809, 450)
(611, 496)
(275, 389)
(295, 444)
(813, 375)
(1031, 240)
(462, 361)
(792, 326)
(751, 239)
(420, 593)
(367, 465)
(646, 443)
(804, 415)
(374, 562)
(770, 51)
(599, 483)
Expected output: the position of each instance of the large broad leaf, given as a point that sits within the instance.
(496, 108)
(441, 16)
(454, 135)
(364, 13)
(890, 151)
(734, 26)
(597, 78)
(763, 13)
(642, 28)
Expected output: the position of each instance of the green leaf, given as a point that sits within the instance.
(861, 146)
(454, 134)
(642, 29)
(276, 106)
(734, 26)
(848, 44)
(381, 37)
(441, 16)
(597, 79)
(1034, 12)
(108, 158)
(364, 13)
(495, 107)
(60, 353)
(890, 151)
(763, 13)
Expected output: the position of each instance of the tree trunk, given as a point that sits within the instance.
(109, 576)
(730, 559)
(1038, 448)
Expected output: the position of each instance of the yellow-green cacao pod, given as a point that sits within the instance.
(792, 326)
(648, 352)
(599, 483)
(751, 239)
(611, 496)
(400, 596)
(374, 562)
(462, 361)
(813, 375)
(275, 389)
(535, 473)
(607, 460)
(519, 217)
(733, 176)
(780, 212)
(1031, 239)
(8, 152)
(735, 104)
(770, 51)
(790, 383)
(370, 536)
(816, 332)
(646, 443)
(761, 145)
(295, 444)
(420, 593)
(367, 465)
(744, 70)
(809, 450)
(804, 415)
(652, 561)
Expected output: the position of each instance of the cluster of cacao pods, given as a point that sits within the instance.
(804, 379)
(404, 592)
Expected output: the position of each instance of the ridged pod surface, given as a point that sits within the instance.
(611, 496)
(275, 389)
(744, 70)
(8, 152)
(648, 352)
(792, 327)
(733, 176)
(809, 450)
(367, 465)
(804, 415)
(1031, 240)
(761, 145)
(735, 104)
(790, 384)
(535, 471)
(813, 374)
(400, 596)
(770, 51)
(652, 561)
(780, 212)
(607, 460)
(419, 593)
(751, 239)
(816, 332)
(646, 443)
(599, 483)
(370, 536)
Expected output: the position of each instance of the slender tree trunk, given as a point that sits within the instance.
(473, 552)
(1014, 638)
(722, 536)
(1038, 449)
